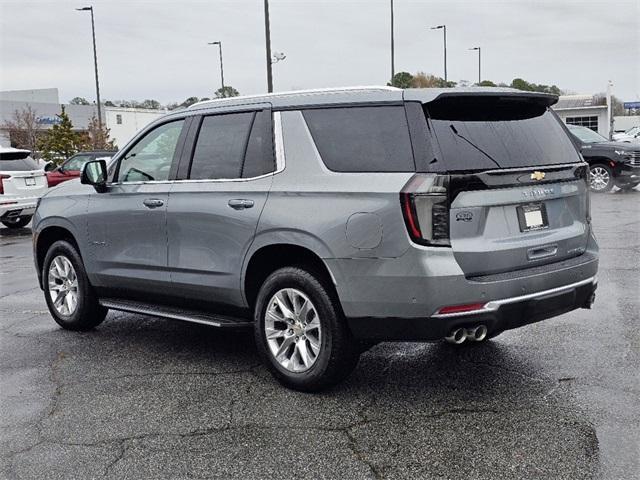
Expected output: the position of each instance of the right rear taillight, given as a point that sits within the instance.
(2, 177)
(425, 207)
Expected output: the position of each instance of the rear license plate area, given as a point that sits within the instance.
(532, 216)
(30, 182)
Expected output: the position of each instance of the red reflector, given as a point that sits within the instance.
(461, 308)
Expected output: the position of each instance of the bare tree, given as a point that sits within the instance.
(97, 138)
(23, 128)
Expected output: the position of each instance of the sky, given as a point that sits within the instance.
(156, 49)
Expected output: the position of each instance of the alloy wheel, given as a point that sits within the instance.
(63, 285)
(292, 329)
(599, 178)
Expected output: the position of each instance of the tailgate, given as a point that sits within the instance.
(25, 183)
(513, 219)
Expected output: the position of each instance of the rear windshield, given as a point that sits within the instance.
(9, 164)
(498, 132)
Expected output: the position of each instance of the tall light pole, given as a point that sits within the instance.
(444, 28)
(393, 54)
(221, 64)
(479, 62)
(267, 33)
(95, 62)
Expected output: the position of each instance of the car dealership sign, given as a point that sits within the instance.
(631, 105)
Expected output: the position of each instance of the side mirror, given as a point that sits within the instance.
(95, 173)
(49, 167)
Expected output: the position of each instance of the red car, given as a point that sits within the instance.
(71, 167)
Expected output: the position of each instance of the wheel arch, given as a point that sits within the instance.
(46, 237)
(270, 257)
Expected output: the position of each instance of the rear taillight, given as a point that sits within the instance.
(2, 177)
(425, 207)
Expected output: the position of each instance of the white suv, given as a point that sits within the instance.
(22, 183)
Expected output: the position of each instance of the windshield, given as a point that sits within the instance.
(586, 134)
(498, 132)
(633, 131)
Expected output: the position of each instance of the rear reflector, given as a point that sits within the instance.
(470, 307)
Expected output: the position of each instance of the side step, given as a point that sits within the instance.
(193, 316)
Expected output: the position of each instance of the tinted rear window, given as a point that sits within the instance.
(486, 133)
(20, 165)
(362, 139)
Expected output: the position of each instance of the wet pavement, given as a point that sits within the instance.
(141, 397)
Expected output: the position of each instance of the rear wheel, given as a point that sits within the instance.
(300, 333)
(69, 295)
(601, 178)
(17, 222)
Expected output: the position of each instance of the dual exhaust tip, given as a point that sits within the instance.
(473, 334)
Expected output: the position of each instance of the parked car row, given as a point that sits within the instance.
(631, 135)
(23, 181)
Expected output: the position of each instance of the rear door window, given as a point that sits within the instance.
(362, 139)
(234, 145)
(498, 132)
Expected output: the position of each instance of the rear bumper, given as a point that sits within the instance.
(498, 315)
(10, 207)
(398, 298)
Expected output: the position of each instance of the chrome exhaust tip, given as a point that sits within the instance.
(476, 334)
(457, 336)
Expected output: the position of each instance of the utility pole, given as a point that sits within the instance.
(267, 33)
(221, 65)
(444, 28)
(479, 63)
(95, 62)
(393, 60)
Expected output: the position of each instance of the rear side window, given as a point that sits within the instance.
(498, 132)
(362, 139)
(9, 163)
(236, 145)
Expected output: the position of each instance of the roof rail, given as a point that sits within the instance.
(296, 92)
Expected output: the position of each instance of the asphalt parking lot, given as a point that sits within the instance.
(141, 397)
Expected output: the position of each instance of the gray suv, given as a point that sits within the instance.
(328, 221)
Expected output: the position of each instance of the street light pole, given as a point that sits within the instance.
(267, 33)
(221, 64)
(95, 62)
(393, 59)
(479, 63)
(444, 28)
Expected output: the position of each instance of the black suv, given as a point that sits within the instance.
(610, 163)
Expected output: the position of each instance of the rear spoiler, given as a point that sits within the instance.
(428, 95)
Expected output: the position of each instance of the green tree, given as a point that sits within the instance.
(522, 84)
(401, 80)
(61, 141)
(79, 101)
(189, 101)
(226, 92)
(151, 104)
(424, 80)
(487, 83)
(109, 103)
(97, 138)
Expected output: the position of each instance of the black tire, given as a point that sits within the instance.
(17, 222)
(338, 354)
(598, 173)
(88, 313)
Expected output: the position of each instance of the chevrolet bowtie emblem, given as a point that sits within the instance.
(537, 176)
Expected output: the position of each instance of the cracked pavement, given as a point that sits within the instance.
(141, 397)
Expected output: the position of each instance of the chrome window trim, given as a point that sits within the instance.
(278, 143)
(494, 305)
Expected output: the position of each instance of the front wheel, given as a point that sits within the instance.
(17, 222)
(69, 295)
(300, 332)
(600, 178)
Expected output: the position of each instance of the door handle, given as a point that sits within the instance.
(153, 202)
(240, 203)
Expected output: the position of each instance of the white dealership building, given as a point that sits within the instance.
(123, 123)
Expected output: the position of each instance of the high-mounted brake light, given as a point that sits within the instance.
(425, 207)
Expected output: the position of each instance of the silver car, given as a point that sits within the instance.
(328, 221)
